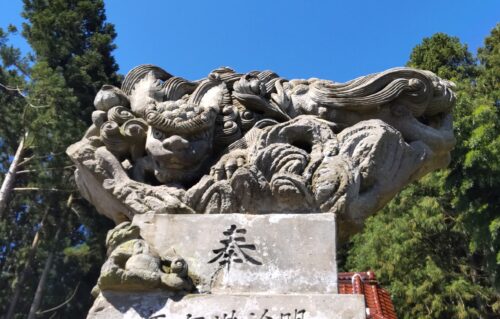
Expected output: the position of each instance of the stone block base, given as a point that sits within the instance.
(114, 305)
(237, 253)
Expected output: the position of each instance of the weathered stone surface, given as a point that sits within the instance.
(240, 183)
(275, 253)
(258, 143)
(132, 266)
(235, 306)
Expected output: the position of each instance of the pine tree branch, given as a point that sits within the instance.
(22, 69)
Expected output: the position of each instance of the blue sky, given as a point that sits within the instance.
(336, 40)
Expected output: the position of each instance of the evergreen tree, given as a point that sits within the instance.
(489, 55)
(12, 106)
(478, 173)
(47, 225)
(445, 56)
(73, 37)
(436, 245)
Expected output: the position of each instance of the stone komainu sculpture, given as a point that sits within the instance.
(133, 265)
(257, 143)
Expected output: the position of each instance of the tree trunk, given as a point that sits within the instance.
(27, 266)
(37, 299)
(10, 178)
(41, 285)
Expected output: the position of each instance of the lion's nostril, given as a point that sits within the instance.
(175, 143)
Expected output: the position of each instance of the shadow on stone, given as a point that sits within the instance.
(113, 304)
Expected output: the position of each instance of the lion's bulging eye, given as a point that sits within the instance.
(159, 135)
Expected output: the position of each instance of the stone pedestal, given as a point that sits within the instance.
(114, 305)
(276, 266)
(236, 253)
(186, 164)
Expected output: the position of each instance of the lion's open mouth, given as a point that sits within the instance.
(434, 121)
(170, 166)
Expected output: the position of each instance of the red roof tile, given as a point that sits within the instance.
(378, 301)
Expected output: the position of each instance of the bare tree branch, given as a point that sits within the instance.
(39, 313)
(26, 160)
(21, 94)
(29, 159)
(10, 178)
(26, 171)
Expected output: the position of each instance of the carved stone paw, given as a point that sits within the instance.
(177, 279)
(228, 164)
